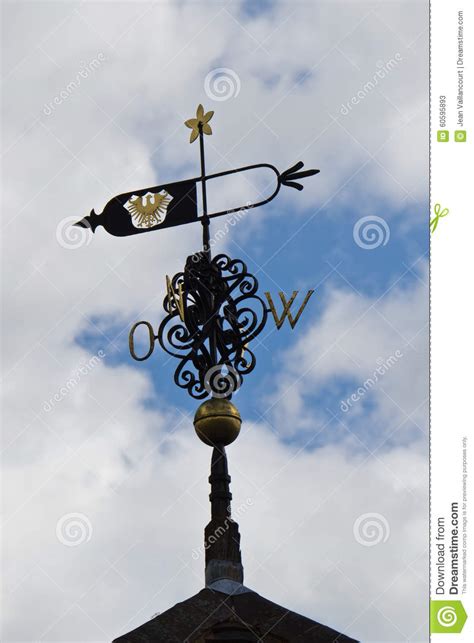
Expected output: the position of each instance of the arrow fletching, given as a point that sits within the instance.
(288, 176)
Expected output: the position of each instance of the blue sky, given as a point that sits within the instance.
(291, 251)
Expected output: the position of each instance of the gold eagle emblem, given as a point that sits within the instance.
(149, 210)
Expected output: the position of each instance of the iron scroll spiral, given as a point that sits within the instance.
(218, 315)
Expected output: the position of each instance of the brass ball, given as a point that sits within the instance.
(217, 421)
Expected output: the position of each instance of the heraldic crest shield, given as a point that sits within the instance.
(148, 210)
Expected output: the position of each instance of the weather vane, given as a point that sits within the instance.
(213, 309)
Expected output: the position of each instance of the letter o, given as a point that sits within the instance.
(131, 343)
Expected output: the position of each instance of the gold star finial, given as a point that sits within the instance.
(202, 119)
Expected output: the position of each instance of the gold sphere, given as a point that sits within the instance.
(217, 421)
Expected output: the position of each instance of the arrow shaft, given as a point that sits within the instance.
(206, 238)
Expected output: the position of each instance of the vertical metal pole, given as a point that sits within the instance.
(206, 242)
(205, 218)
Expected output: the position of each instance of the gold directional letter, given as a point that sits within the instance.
(287, 308)
(175, 299)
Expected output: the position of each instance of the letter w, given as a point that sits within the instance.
(287, 308)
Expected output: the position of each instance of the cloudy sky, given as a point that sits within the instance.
(105, 486)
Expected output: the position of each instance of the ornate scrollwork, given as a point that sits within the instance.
(213, 313)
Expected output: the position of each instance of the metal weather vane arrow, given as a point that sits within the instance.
(213, 309)
(173, 204)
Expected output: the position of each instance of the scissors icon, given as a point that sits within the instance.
(438, 214)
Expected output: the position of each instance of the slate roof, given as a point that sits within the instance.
(214, 616)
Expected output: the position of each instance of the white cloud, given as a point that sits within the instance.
(141, 479)
(148, 506)
(372, 343)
